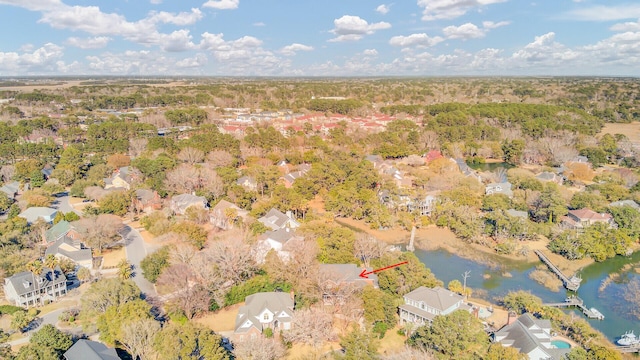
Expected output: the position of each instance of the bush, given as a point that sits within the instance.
(268, 333)
(153, 264)
(9, 309)
(260, 283)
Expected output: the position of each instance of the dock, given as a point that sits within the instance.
(591, 313)
(570, 283)
(629, 348)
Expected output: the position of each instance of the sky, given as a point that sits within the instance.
(320, 38)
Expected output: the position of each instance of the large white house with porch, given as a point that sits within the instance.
(423, 304)
(29, 289)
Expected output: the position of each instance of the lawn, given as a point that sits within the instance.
(111, 258)
(222, 320)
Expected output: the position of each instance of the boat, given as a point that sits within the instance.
(628, 338)
(596, 314)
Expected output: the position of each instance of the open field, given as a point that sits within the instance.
(223, 320)
(630, 130)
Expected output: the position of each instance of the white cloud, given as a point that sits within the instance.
(605, 13)
(420, 40)
(383, 9)
(222, 4)
(179, 40)
(156, 2)
(291, 50)
(259, 23)
(89, 43)
(180, 19)
(464, 32)
(494, 25)
(370, 52)
(41, 60)
(450, 9)
(351, 28)
(628, 26)
(34, 5)
(197, 61)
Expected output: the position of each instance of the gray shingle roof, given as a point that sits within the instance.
(90, 350)
(26, 281)
(279, 303)
(275, 220)
(437, 298)
(11, 189)
(68, 248)
(347, 273)
(32, 214)
(525, 334)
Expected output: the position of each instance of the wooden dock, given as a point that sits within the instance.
(571, 283)
(628, 348)
(591, 313)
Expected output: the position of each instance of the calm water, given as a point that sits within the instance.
(491, 283)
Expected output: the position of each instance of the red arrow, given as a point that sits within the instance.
(364, 272)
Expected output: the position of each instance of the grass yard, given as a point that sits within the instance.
(631, 130)
(111, 258)
(392, 341)
(223, 320)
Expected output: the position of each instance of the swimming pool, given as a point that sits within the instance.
(561, 344)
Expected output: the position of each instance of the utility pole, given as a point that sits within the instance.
(464, 282)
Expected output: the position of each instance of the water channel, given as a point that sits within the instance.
(491, 283)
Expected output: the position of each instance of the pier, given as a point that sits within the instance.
(571, 283)
(591, 313)
(629, 348)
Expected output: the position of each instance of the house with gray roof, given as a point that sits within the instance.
(11, 189)
(630, 203)
(264, 310)
(548, 176)
(247, 182)
(121, 178)
(90, 350)
(530, 336)
(518, 214)
(29, 289)
(334, 279)
(279, 241)
(180, 203)
(219, 215)
(466, 170)
(276, 220)
(32, 214)
(499, 188)
(423, 304)
(67, 248)
(146, 201)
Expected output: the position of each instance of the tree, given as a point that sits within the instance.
(125, 270)
(189, 342)
(37, 197)
(116, 203)
(153, 264)
(498, 352)
(226, 261)
(36, 178)
(359, 345)
(258, 348)
(457, 335)
(190, 155)
(310, 326)
(550, 206)
(50, 261)
(405, 278)
(51, 338)
(21, 319)
(522, 301)
(138, 336)
(5, 202)
(110, 323)
(100, 231)
(106, 293)
(116, 161)
(513, 151)
(84, 274)
(180, 284)
(455, 286)
(367, 247)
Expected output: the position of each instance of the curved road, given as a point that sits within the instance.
(136, 251)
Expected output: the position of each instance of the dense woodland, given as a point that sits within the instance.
(532, 125)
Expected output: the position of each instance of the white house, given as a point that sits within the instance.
(264, 310)
(530, 336)
(423, 304)
(276, 220)
(29, 289)
(32, 214)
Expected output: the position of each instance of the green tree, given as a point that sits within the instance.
(550, 205)
(498, 352)
(189, 342)
(334, 242)
(458, 335)
(116, 203)
(513, 151)
(522, 301)
(59, 217)
(106, 293)
(36, 178)
(405, 278)
(5, 202)
(20, 319)
(71, 216)
(455, 286)
(359, 345)
(379, 307)
(153, 264)
(50, 337)
(110, 323)
(125, 270)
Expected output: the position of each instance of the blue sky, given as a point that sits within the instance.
(320, 38)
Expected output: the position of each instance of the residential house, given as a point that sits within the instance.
(423, 304)
(582, 218)
(67, 248)
(499, 188)
(276, 220)
(338, 279)
(32, 214)
(264, 310)
(424, 206)
(46, 171)
(29, 289)
(146, 201)
(220, 214)
(630, 203)
(248, 183)
(432, 155)
(548, 176)
(121, 178)
(63, 229)
(279, 241)
(291, 177)
(180, 203)
(11, 189)
(90, 350)
(530, 336)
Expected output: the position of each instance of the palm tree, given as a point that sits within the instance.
(125, 270)
(35, 267)
(50, 261)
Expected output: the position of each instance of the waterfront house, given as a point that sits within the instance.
(29, 289)
(499, 188)
(264, 310)
(530, 336)
(33, 214)
(276, 220)
(90, 350)
(582, 218)
(338, 280)
(423, 304)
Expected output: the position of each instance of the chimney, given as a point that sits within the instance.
(289, 214)
(511, 317)
(293, 295)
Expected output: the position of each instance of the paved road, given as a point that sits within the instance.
(136, 251)
(62, 204)
(49, 318)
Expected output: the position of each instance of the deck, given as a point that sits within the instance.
(571, 283)
(591, 313)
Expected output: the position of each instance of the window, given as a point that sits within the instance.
(266, 316)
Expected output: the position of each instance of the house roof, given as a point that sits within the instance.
(437, 298)
(279, 303)
(57, 231)
(47, 170)
(90, 350)
(145, 195)
(349, 273)
(32, 214)
(11, 189)
(631, 203)
(525, 333)
(26, 281)
(588, 214)
(546, 176)
(517, 213)
(281, 235)
(246, 180)
(275, 219)
(183, 201)
(68, 248)
(223, 205)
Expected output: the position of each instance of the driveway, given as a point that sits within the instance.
(136, 251)
(61, 203)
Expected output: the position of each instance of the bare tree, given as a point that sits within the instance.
(138, 336)
(368, 247)
(99, 231)
(430, 140)
(220, 158)
(211, 182)
(410, 353)
(232, 260)
(6, 172)
(183, 289)
(259, 348)
(310, 326)
(190, 155)
(182, 254)
(95, 192)
(184, 178)
(137, 146)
